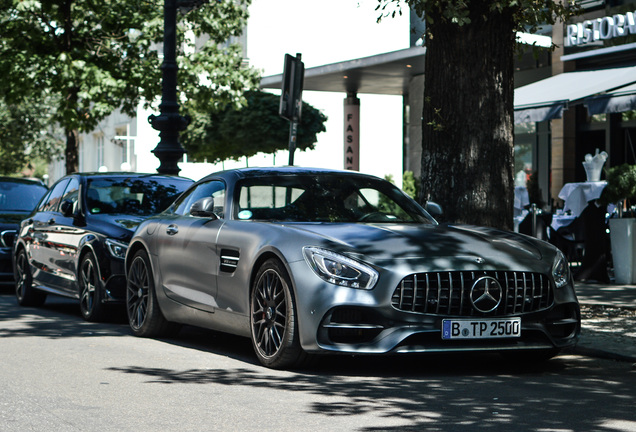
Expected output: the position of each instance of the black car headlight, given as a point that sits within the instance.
(339, 269)
(560, 270)
(116, 248)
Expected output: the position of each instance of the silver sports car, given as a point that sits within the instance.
(315, 261)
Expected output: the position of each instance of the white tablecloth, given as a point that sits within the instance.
(577, 195)
(559, 221)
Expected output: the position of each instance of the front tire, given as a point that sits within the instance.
(91, 294)
(273, 320)
(24, 291)
(144, 315)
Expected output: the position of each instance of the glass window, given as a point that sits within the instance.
(141, 196)
(325, 198)
(53, 199)
(19, 196)
(72, 193)
(214, 189)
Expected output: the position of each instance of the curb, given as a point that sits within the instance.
(599, 353)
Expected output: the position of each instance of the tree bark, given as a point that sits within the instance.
(467, 119)
(71, 151)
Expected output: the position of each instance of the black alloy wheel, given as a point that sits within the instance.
(144, 315)
(91, 293)
(273, 318)
(24, 291)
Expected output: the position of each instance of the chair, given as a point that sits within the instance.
(585, 244)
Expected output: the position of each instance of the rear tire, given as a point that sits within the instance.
(273, 318)
(24, 291)
(144, 314)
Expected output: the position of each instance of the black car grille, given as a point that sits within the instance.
(449, 293)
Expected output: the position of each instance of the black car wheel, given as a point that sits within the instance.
(24, 291)
(144, 315)
(273, 318)
(90, 289)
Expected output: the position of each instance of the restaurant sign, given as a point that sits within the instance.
(600, 29)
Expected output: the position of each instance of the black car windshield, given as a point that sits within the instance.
(18, 196)
(326, 198)
(140, 196)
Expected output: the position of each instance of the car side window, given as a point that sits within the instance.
(52, 201)
(72, 193)
(213, 188)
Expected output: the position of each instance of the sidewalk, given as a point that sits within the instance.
(608, 321)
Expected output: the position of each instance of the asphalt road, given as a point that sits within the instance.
(59, 373)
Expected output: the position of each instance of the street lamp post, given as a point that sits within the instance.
(169, 123)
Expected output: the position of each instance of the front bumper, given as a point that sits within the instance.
(345, 320)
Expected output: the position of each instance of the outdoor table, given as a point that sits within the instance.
(577, 195)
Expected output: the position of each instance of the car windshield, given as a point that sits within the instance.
(17, 196)
(141, 196)
(326, 198)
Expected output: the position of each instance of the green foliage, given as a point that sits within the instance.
(621, 186)
(26, 133)
(410, 184)
(92, 58)
(233, 133)
(527, 14)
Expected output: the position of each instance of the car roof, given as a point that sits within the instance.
(22, 180)
(125, 174)
(251, 172)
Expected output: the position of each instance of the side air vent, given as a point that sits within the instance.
(229, 260)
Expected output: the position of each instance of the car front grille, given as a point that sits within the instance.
(449, 293)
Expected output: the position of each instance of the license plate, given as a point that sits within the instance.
(481, 329)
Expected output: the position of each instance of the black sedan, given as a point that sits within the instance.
(318, 261)
(73, 244)
(18, 198)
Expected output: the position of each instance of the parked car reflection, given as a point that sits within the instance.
(74, 243)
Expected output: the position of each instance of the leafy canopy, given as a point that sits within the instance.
(528, 15)
(236, 132)
(26, 133)
(92, 58)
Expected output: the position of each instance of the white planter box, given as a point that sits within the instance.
(623, 239)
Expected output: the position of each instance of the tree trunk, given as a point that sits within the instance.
(71, 152)
(467, 120)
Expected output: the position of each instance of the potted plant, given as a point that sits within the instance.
(621, 191)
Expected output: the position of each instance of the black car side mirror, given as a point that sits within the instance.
(66, 208)
(204, 208)
(433, 208)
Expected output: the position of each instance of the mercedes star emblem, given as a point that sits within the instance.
(486, 294)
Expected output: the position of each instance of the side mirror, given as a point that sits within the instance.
(66, 208)
(434, 209)
(204, 208)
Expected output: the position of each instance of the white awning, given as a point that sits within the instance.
(621, 100)
(546, 99)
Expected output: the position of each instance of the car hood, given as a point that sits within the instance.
(117, 225)
(13, 218)
(441, 246)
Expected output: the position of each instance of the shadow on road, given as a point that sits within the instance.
(419, 392)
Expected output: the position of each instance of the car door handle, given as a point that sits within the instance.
(172, 229)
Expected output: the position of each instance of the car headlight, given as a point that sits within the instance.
(560, 270)
(340, 270)
(116, 248)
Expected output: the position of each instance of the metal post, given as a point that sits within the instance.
(293, 132)
(169, 122)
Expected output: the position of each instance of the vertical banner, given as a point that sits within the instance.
(352, 133)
